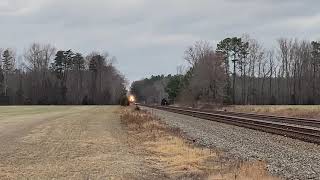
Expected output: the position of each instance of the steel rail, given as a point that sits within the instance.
(302, 133)
(281, 119)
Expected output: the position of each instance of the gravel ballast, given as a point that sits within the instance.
(286, 157)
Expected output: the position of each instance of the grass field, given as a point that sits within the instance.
(8, 111)
(303, 111)
(67, 142)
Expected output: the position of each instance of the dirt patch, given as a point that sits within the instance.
(179, 158)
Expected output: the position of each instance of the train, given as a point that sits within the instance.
(132, 101)
(164, 102)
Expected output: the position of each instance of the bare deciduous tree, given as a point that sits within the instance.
(47, 77)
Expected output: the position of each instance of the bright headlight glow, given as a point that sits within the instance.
(132, 98)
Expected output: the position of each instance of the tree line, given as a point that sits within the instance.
(42, 75)
(241, 71)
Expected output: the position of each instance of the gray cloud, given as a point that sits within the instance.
(149, 36)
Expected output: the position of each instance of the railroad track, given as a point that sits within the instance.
(293, 128)
(281, 119)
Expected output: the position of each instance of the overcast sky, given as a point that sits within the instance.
(150, 36)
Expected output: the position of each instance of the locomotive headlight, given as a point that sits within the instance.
(132, 98)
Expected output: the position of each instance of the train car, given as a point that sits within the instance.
(164, 102)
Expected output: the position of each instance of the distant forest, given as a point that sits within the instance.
(44, 76)
(240, 71)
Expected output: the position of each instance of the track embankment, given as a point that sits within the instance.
(286, 157)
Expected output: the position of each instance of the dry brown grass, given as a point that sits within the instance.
(246, 171)
(178, 157)
(85, 142)
(303, 111)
